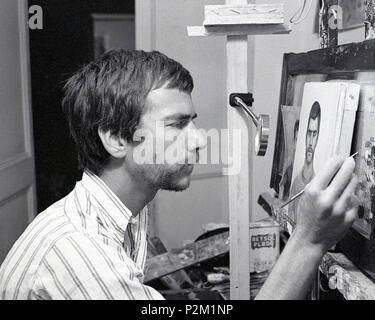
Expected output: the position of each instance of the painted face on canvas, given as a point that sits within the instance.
(312, 135)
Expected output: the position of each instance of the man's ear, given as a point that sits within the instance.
(115, 146)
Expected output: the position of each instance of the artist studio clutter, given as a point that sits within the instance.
(200, 270)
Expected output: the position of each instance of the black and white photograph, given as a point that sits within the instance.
(187, 150)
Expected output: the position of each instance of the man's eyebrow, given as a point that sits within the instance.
(181, 116)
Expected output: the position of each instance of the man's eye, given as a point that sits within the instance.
(180, 124)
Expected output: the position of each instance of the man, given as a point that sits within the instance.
(92, 243)
(307, 173)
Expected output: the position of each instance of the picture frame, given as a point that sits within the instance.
(353, 61)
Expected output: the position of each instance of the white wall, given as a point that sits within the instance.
(268, 59)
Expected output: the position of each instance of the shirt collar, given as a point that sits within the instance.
(116, 211)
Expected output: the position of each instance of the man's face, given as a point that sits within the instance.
(311, 139)
(172, 140)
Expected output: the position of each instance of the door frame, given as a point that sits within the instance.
(19, 170)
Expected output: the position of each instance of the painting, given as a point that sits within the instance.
(364, 143)
(290, 108)
(351, 61)
(326, 129)
(290, 118)
(353, 13)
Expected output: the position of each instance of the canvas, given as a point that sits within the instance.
(364, 143)
(326, 129)
(290, 118)
(353, 13)
(294, 98)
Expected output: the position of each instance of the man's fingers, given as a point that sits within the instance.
(341, 180)
(351, 216)
(325, 175)
(347, 199)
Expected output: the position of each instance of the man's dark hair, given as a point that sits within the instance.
(296, 127)
(110, 94)
(315, 112)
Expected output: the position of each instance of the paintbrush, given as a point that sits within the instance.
(301, 192)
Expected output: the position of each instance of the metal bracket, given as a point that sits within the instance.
(261, 122)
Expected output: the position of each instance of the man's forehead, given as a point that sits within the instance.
(313, 124)
(166, 103)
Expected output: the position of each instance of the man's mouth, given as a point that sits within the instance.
(193, 161)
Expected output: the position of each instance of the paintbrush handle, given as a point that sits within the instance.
(293, 198)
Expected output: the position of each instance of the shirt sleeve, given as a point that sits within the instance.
(81, 268)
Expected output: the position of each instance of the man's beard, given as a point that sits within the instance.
(166, 177)
(309, 155)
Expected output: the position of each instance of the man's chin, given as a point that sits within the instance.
(177, 186)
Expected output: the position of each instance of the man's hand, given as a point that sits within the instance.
(328, 206)
(326, 211)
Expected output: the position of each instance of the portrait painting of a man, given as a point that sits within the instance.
(327, 118)
(307, 173)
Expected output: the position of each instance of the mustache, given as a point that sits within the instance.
(193, 161)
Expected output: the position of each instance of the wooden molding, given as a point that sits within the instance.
(244, 14)
(27, 109)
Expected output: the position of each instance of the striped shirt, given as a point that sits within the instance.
(86, 246)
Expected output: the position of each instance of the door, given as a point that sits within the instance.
(17, 177)
(162, 25)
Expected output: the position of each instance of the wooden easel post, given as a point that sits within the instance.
(239, 185)
(236, 20)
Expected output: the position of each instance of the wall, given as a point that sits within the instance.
(269, 52)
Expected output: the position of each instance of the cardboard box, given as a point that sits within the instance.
(264, 245)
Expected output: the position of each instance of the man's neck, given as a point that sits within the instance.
(135, 195)
(308, 172)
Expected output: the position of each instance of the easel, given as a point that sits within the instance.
(236, 20)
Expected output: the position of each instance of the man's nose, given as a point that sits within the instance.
(309, 139)
(196, 139)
